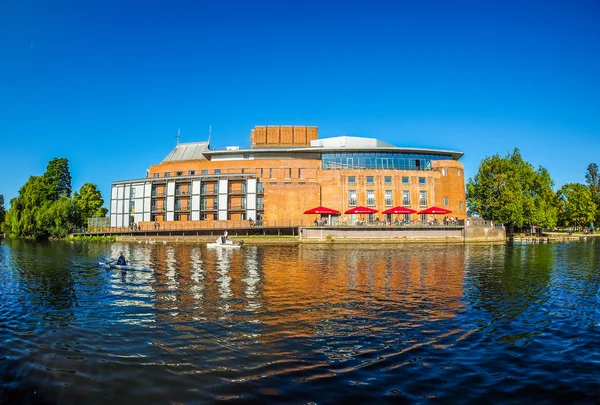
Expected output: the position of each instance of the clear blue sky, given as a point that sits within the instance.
(107, 84)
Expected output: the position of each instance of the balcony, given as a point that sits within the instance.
(179, 193)
(157, 194)
(155, 209)
(236, 207)
(209, 208)
(181, 208)
(233, 191)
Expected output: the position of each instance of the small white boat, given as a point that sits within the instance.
(223, 242)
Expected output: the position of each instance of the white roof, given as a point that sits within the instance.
(187, 151)
(349, 142)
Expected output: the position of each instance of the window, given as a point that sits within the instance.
(178, 173)
(203, 217)
(370, 198)
(177, 204)
(177, 217)
(423, 198)
(388, 179)
(460, 205)
(369, 179)
(352, 197)
(132, 192)
(131, 206)
(243, 216)
(216, 217)
(192, 172)
(459, 173)
(388, 198)
(155, 175)
(259, 188)
(217, 171)
(246, 156)
(421, 180)
(204, 171)
(271, 173)
(351, 179)
(259, 203)
(168, 174)
(444, 171)
(299, 173)
(203, 189)
(216, 188)
(406, 198)
(243, 203)
(405, 180)
(446, 202)
(215, 203)
(289, 174)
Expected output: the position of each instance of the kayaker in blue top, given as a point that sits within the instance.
(121, 260)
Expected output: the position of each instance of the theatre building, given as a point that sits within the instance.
(286, 171)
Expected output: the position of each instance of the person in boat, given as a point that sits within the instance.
(121, 260)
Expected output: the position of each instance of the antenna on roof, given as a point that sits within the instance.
(209, 133)
(178, 135)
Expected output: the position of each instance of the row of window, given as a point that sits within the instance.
(352, 198)
(386, 179)
(405, 179)
(205, 205)
(204, 189)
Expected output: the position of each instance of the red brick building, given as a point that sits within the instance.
(285, 171)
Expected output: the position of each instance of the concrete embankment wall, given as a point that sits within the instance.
(368, 235)
(381, 235)
(482, 234)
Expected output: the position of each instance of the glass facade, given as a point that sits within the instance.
(385, 161)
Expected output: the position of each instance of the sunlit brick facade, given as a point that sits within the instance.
(285, 171)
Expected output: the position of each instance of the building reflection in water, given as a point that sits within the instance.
(303, 288)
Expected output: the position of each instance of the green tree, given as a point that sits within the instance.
(592, 178)
(21, 219)
(43, 207)
(88, 203)
(59, 178)
(578, 206)
(509, 190)
(58, 218)
(2, 210)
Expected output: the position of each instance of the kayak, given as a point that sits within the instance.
(126, 267)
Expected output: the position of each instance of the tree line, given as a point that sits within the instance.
(511, 191)
(45, 207)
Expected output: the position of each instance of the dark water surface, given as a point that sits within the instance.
(289, 324)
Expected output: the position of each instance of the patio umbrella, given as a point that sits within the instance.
(361, 210)
(435, 210)
(323, 211)
(399, 210)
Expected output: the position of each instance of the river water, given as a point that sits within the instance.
(300, 324)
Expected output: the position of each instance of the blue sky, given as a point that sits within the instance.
(107, 84)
